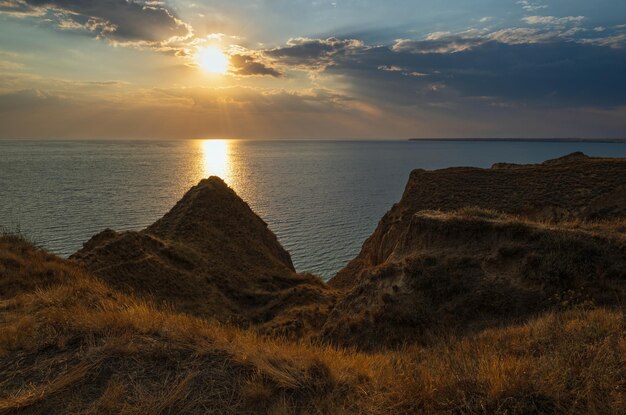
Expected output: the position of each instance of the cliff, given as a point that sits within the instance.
(468, 248)
(574, 187)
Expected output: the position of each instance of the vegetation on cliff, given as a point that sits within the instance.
(467, 270)
(495, 291)
(571, 188)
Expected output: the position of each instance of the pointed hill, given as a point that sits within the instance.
(213, 257)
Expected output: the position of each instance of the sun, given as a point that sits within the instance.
(213, 60)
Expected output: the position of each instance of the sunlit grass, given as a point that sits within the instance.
(69, 343)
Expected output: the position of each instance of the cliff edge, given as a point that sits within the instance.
(573, 187)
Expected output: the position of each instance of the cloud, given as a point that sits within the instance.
(446, 42)
(522, 35)
(136, 23)
(383, 103)
(553, 21)
(315, 54)
(247, 65)
(240, 112)
(77, 111)
(20, 8)
(531, 6)
(440, 42)
(554, 30)
(508, 67)
(403, 71)
(255, 100)
(616, 41)
(556, 63)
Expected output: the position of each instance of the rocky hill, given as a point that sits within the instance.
(469, 248)
(213, 257)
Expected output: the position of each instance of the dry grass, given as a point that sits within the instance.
(163, 361)
(614, 228)
(572, 362)
(77, 346)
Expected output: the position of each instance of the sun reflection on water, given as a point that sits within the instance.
(216, 158)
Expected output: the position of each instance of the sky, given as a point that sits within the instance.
(272, 69)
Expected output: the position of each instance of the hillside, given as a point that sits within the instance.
(213, 257)
(71, 344)
(483, 291)
(466, 249)
(467, 270)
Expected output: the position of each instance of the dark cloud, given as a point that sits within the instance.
(247, 65)
(543, 74)
(117, 20)
(446, 42)
(313, 53)
(505, 68)
(436, 45)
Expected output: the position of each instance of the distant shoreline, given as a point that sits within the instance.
(532, 140)
(287, 140)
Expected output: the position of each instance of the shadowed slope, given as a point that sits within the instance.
(569, 188)
(212, 219)
(471, 269)
(210, 256)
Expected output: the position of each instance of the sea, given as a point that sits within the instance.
(321, 198)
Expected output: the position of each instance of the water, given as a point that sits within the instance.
(322, 198)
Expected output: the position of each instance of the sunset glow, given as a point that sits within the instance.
(271, 69)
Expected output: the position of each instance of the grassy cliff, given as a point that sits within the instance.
(458, 304)
(571, 188)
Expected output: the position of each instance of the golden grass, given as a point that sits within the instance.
(34, 394)
(610, 227)
(571, 362)
(77, 346)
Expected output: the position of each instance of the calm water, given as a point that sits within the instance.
(322, 199)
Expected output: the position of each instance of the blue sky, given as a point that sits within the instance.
(312, 69)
